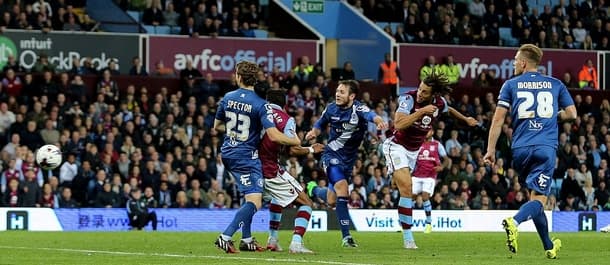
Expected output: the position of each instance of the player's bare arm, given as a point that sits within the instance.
(312, 134)
(303, 150)
(278, 137)
(494, 133)
(380, 123)
(457, 115)
(219, 126)
(404, 121)
(568, 114)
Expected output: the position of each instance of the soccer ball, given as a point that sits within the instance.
(48, 157)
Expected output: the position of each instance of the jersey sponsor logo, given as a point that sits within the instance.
(542, 180)
(334, 161)
(335, 118)
(535, 125)
(348, 126)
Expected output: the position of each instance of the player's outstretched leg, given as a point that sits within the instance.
(275, 217)
(300, 227)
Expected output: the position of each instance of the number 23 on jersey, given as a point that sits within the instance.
(238, 126)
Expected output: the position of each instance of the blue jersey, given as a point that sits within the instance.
(245, 115)
(347, 128)
(534, 101)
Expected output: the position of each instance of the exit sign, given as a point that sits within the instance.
(308, 6)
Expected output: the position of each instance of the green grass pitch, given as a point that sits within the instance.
(137, 247)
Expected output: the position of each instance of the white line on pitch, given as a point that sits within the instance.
(221, 257)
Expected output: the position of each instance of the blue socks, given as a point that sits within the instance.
(534, 210)
(428, 210)
(528, 211)
(242, 219)
(343, 215)
(405, 215)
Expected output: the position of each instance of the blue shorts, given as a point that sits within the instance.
(536, 163)
(248, 174)
(336, 170)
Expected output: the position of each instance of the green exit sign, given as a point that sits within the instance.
(308, 6)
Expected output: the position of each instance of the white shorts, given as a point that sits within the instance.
(284, 189)
(397, 156)
(423, 185)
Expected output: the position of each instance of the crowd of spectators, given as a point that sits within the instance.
(44, 15)
(162, 143)
(563, 24)
(202, 18)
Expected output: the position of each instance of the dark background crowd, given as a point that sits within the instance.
(117, 138)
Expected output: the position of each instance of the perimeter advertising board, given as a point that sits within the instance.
(220, 55)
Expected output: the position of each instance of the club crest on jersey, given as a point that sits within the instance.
(403, 105)
(397, 160)
(426, 120)
(432, 148)
(334, 161)
(354, 118)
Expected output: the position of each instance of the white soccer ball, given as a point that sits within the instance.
(48, 157)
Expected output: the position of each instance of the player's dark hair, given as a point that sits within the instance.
(247, 71)
(438, 82)
(352, 84)
(531, 52)
(277, 97)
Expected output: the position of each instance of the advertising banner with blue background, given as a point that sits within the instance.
(92, 219)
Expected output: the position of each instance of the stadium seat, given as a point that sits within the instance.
(157, 30)
(532, 4)
(135, 15)
(507, 37)
(175, 30)
(163, 30)
(261, 34)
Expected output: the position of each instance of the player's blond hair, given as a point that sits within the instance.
(531, 52)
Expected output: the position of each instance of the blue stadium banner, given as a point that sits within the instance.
(63, 47)
(102, 219)
(580, 221)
